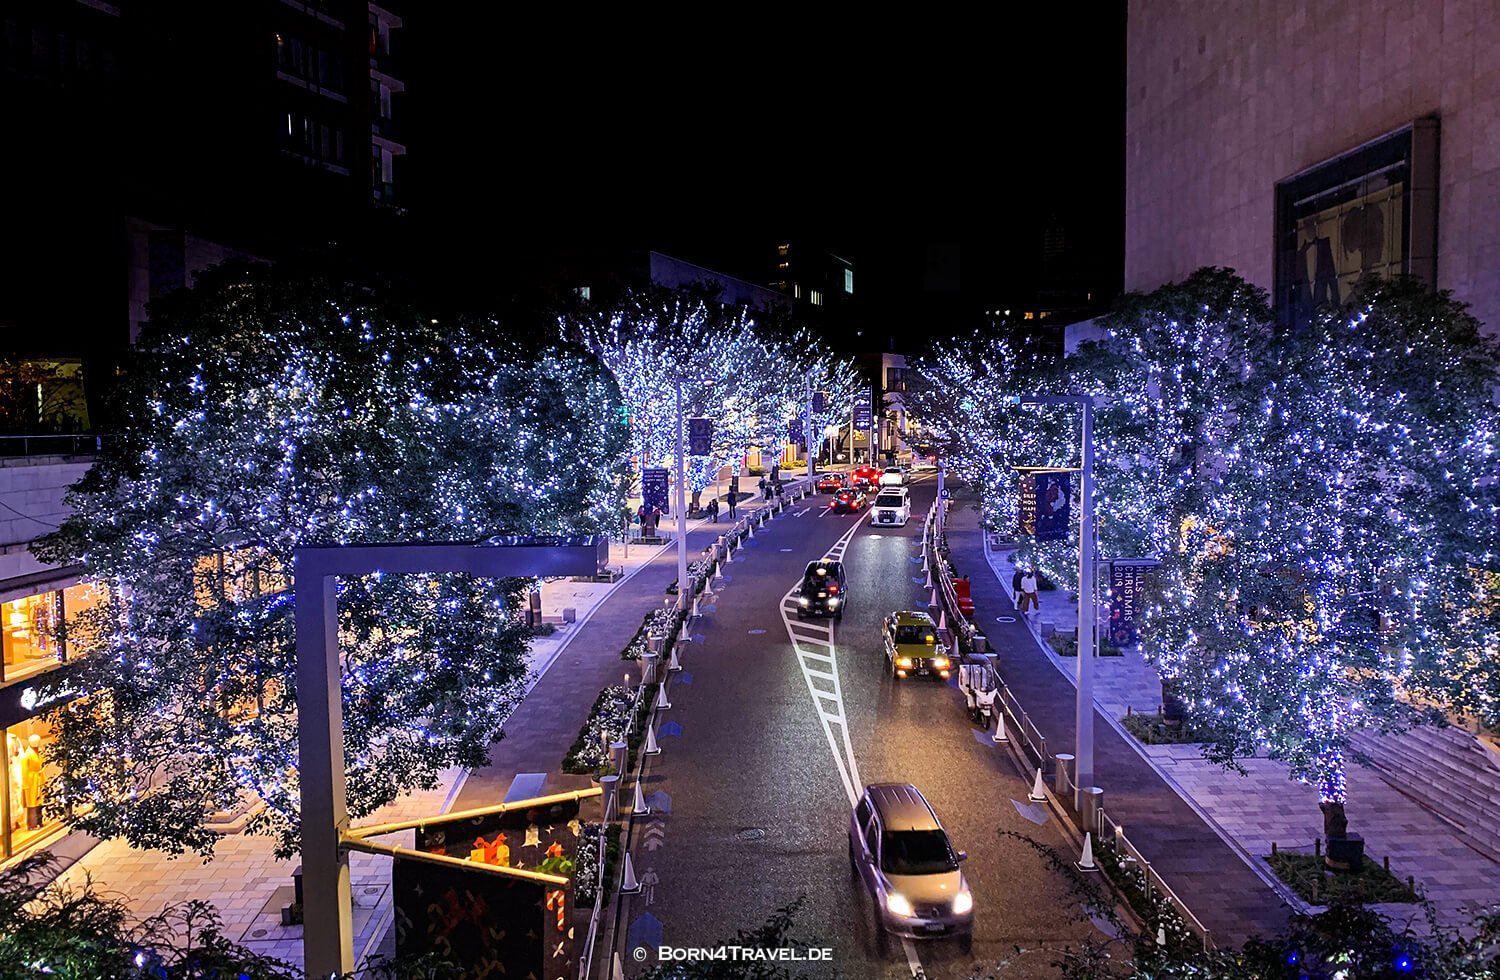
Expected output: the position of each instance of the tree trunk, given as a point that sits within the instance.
(697, 495)
(1335, 824)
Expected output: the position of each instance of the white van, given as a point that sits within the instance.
(893, 476)
(892, 507)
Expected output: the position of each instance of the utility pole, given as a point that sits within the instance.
(682, 579)
(812, 456)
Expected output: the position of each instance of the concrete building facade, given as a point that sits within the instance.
(1304, 143)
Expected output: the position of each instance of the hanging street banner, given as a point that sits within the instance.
(819, 401)
(862, 413)
(795, 433)
(654, 488)
(1127, 577)
(1045, 508)
(700, 437)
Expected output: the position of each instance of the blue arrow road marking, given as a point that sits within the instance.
(670, 728)
(684, 678)
(645, 931)
(698, 637)
(1030, 811)
(756, 632)
(919, 580)
(659, 802)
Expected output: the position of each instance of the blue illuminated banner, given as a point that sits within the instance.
(654, 488)
(1127, 577)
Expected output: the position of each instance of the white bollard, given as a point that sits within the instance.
(1038, 791)
(1087, 863)
(651, 747)
(628, 884)
(639, 807)
(662, 703)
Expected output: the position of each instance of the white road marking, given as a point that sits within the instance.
(911, 957)
(802, 511)
(843, 759)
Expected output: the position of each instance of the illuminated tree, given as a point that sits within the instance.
(266, 412)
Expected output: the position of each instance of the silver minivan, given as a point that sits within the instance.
(907, 864)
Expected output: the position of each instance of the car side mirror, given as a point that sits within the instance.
(963, 855)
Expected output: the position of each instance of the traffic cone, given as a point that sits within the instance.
(1087, 864)
(695, 613)
(932, 600)
(943, 619)
(639, 807)
(628, 884)
(750, 530)
(616, 971)
(999, 735)
(661, 697)
(719, 570)
(673, 664)
(929, 578)
(1038, 791)
(651, 747)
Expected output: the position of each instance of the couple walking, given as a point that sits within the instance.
(1025, 586)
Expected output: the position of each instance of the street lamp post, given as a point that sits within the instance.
(1088, 606)
(682, 563)
(807, 430)
(831, 434)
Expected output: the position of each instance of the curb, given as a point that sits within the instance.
(1261, 869)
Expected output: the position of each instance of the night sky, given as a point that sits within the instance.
(932, 154)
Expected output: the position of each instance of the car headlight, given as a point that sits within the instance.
(904, 662)
(964, 903)
(940, 662)
(802, 602)
(899, 905)
(833, 603)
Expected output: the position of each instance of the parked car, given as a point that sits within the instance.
(848, 502)
(892, 476)
(892, 507)
(831, 483)
(823, 591)
(912, 646)
(908, 865)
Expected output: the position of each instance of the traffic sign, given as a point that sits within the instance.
(947, 493)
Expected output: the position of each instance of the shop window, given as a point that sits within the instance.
(30, 786)
(31, 639)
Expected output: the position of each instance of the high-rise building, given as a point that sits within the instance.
(1305, 144)
(153, 138)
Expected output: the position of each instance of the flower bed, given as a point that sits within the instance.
(609, 721)
(1316, 884)
(698, 573)
(1154, 911)
(666, 623)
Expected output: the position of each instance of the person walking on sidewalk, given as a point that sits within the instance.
(762, 486)
(1015, 589)
(713, 509)
(730, 498)
(1029, 592)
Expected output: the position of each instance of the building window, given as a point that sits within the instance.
(782, 250)
(584, 292)
(816, 296)
(1371, 211)
(848, 280)
(796, 290)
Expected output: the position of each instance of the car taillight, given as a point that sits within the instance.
(833, 587)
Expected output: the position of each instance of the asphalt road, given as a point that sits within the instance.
(752, 798)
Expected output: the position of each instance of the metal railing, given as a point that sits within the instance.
(55, 445)
(1108, 829)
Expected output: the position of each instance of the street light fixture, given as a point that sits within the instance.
(831, 432)
(1088, 607)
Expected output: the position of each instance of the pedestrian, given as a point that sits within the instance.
(642, 517)
(655, 520)
(730, 498)
(762, 486)
(1029, 592)
(1015, 589)
(713, 509)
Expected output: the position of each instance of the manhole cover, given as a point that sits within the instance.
(372, 891)
(258, 933)
(750, 833)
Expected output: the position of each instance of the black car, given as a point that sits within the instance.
(823, 592)
(848, 502)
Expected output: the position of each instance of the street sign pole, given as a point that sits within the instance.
(1088, 608)
(682, 586)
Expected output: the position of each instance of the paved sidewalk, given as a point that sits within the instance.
(1211, 878)
(1265, 805)
(249, 886)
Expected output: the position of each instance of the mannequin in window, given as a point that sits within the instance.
(32, 787)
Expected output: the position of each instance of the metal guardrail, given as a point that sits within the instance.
(55, 445)
(1154, 880)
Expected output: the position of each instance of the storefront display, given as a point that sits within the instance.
(28, 785)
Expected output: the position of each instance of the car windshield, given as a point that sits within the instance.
(908, 633)
(916, 852)
(888, 500)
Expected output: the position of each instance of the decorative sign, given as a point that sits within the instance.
(493, 924)
(654, 488)
(820, 401)
(700, 437)
(862, 413)
(795, 432)
(1126, 577)
(1045, 508)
